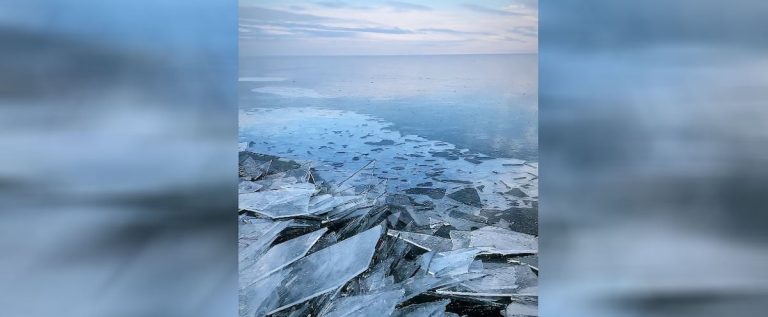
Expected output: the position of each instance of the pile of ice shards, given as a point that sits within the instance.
(308, 247)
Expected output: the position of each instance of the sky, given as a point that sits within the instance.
(377, 27)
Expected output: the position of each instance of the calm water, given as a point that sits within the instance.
(485, 103)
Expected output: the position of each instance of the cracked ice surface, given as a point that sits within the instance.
(341, 142)
(317, 188)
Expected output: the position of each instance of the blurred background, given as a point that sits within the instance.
(118, 128)
(118, 125)
(654, 152)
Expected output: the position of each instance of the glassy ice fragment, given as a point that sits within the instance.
(326, 269)
(431, 309)
(421, 283)
(454, 262)
(505, 280)
(378, 277)
(250, 169)
(279, 256)
(424, 241)
(256, 237)
(248, 187)
(377, 304)
(520, 309)
(326, 204)
(259, 297)
(495, 240)
(288, 201)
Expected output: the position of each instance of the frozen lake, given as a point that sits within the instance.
(484, 103)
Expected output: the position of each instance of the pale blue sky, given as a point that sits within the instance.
(371, 27)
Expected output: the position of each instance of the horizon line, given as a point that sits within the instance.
(384, 55)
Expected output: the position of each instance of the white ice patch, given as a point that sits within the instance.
(261, 79)
(290, 92)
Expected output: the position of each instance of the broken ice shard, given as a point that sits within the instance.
(279, 256)
(452, 262)
(256, 237)
(495, 240)
(424, 241)
(376, 304)
(431, 309)
(326, 269)
(522, 308)
(250, 169)
(288, 201)
(499, 281)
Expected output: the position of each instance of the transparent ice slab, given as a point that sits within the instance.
(424, 241)
(376, 304)
(515, 309)
(279, 256)
(495, 240)
(454, 262)
(318, 273)
(288, 201)
(256, 237)
(431, 309)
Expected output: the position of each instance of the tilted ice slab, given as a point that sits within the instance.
(288, 201)
(313, 275)
(279, 256)
(522, 309)
(495, 240)
(431, 309)
(342, 143)
(497, 282)
(376, 304)
(454, 262)
(424, 241)
(256, 237)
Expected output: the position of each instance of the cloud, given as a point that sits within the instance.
(340, 5)
(451, 31)
(481, 9)
(264, 14)
(531, 31)
(287, 28)
(344, 27)
(404, 6)
(531, 4)
(332, 4)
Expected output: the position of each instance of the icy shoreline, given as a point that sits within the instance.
(343, 242)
